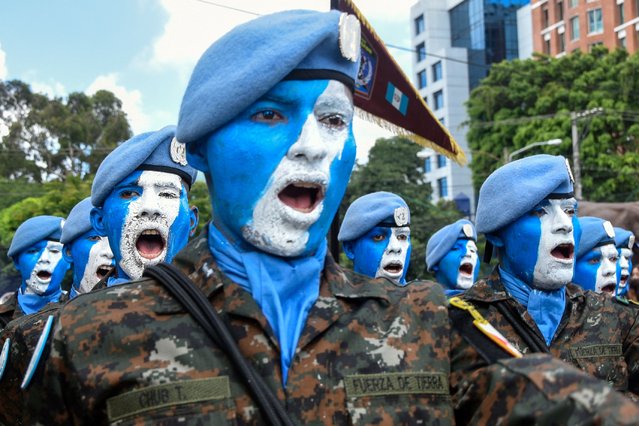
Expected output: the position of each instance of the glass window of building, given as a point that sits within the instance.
(421, 79)
(620, 14)
(442, 187)
(573, 3)
(622, 42)
(560, 11)
(441, 161)
(438, 98)
(419, 25)
(574, 28)
(544, 16)
(437, 71)
(562, 42)
(421, 52)
(595, 21)
(427, 168)
(547, 47)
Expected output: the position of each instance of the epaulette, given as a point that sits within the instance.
(37, 353)
(484, 326)
(4, 356)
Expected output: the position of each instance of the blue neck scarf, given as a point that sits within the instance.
(451, 292)
(32, 303)
(545, 307)
(284, 288)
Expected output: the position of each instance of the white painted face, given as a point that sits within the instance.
(555, 256)
(466, 276)
(153, 213)
(607, 271)
(624, 266)
(42, 273)
(280, 224)
(394, 259)
(100, 258)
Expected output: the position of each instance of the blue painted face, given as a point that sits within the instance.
(42, 268)
(459, 268)
(538, 248)
(278, 171)
(596, 270)
(624, 266)
(382, 252)
(92, 260)
(146, 219)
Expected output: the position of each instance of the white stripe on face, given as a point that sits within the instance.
(465, 281)
(607, 271)
(100, 255)
(393, 260)
(48, 260)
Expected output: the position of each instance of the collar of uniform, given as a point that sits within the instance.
(574, 291)
(490, 290)
(8, 303)
(349, 285)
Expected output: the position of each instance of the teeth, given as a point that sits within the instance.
(150, 232)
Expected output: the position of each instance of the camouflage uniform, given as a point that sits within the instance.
(10, 309)
(596, 334)
(371, 352)
(24, 333)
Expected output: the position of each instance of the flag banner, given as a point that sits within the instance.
(385, 96)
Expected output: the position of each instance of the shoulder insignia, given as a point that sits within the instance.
(484, 326)
(37, 353)
(4, 356)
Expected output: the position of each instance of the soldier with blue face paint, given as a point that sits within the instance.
(451, 253)
(597, 256)
(85, 249)
(625, 243)
(140, 199)
(375, 235)
(36, 252)
(528, 212)
(267, 116)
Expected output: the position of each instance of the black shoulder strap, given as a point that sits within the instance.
(462, 322)
(196, 303)
(533, 341)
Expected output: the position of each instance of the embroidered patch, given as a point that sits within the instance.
(350, 33)
(153, 397)
(4, 356)
(610, 231)
(396, 384)
(468, 230)
(594, 351)
(572, 178)
(37, 353)
(401, 216)
(178, 152)
(396, 98)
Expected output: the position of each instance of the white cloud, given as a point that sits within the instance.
(52, 89)
(3, 64)
(131, 100)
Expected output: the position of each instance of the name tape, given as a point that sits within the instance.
(396, 384)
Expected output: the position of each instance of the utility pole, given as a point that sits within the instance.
(576, 164)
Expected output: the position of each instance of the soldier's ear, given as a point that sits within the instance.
(97, 221)
(196, 156)
(194, 215)
(66, 253)
(349, 249)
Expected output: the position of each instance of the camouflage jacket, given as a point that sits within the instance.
(9, 309)
(597, 334)
(370, 353)
(23, 334)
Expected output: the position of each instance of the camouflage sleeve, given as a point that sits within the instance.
(538, 389)
(631, 347)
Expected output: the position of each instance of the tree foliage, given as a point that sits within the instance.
(393, 166)
(50, 139)
(525, 101)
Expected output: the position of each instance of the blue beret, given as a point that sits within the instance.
(78, 222)
(595, 232)
(516, 188)
(371, 210)
(443, 240)
(33, 230)
(248, 61)
(624, 238)
(158, 151)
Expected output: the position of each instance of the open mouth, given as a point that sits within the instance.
(466, 269)
(103, 271)
(150, 244)
(394, 268)
(563, 251)
(302, 196)
(623, 280)
(608, 288)
(44, 275)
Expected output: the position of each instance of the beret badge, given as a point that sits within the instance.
(468, 230)
(572, 179)
(609, 229)
(178, 152)
(401, 216)
(631, 242)
(349, 37)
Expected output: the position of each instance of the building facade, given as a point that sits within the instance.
(455, 43)
(563, 26)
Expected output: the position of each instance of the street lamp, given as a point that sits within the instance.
(532, 145)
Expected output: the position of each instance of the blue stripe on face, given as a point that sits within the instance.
(369, 249)
(521, 246)
(586, 268)
(447, 273)
(43, 251)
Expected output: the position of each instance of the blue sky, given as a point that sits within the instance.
(144, 50)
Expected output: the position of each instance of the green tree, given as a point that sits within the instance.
(525, 101)
(393, 166)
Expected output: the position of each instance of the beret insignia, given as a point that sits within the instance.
(401, 216)
(349, 37)
(178, 152)
(609, 229)
(468, 230)
(631, 242)
(572, 178)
